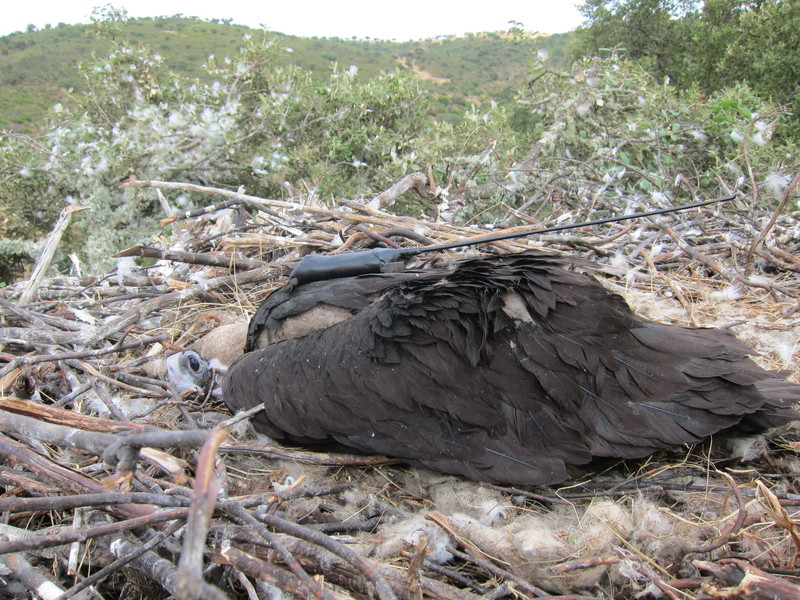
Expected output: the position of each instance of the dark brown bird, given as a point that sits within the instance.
(502, 369)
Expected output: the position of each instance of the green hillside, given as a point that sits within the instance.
(38, 68)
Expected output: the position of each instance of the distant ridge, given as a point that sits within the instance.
(38, 67)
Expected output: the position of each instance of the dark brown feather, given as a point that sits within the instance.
(503, 369)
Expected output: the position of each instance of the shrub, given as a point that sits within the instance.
(256, 124)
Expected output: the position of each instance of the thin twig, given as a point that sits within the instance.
(768, 227)
(36, 542)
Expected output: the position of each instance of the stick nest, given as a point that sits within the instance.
(116, 487)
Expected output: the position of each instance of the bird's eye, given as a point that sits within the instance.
(194, 363)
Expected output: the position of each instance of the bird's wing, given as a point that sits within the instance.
(640, 385)
(504, 369)
(415, 375)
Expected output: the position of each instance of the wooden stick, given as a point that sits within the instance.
(49, 250)
(207, 483)
(194, 258)
(67, 537)
(764, 232)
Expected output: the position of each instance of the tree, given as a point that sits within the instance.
(651, 32)
(757, 42)
(710, 45)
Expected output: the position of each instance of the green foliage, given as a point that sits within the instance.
(652, 32)
(607, 131)
(707, 45)
(27, 204)
(753, 42)
(257, 124)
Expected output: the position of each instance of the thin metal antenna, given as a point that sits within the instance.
(517, 234)
(317, 267)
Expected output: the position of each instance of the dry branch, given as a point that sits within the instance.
(420, 182)
(68, 537)
(771, 224)
(193, 258)
(743, 581)
(49, 250)
(190, 583)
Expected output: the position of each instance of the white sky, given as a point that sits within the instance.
(404, 20)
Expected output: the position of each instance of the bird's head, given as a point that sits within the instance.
(188, 371)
